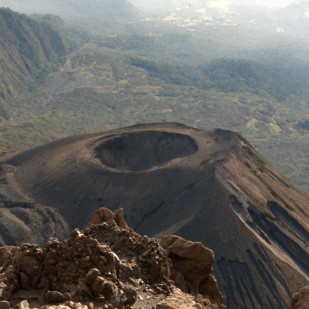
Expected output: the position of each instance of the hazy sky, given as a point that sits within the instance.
(213, 3)
(270, 3)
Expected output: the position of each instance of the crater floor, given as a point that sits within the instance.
(139, 151)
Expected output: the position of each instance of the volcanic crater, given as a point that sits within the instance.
(209, 186)
(141, 151)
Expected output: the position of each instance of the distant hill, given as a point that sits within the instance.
(237, 75)
(279, 82)
(28, 50)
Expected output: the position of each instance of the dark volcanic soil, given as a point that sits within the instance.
(209, 186)
(140, 151)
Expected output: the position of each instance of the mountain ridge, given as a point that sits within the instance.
(29, 49)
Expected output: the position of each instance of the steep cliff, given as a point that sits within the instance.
(28, 49)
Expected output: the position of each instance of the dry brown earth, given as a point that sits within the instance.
(106, 265)
(207, 186)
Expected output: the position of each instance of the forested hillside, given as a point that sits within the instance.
(28, 51)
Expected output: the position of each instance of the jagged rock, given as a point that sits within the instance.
(146, 252)
(102, 215)
(108, 263)
(105, 215)
(300, 299)
(119, 218)
(192, 264)
(25, 268)
(6, 254)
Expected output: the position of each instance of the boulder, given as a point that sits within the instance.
(91, 276)
(300, 299)
(191, 259)
(192, 267)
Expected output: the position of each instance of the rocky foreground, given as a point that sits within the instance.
(108, 265)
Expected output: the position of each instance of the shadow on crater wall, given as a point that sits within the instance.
(139, 151)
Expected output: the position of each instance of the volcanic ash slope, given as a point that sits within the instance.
(208, 186)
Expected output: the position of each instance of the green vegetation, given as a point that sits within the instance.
(104, 82)
(29, 50)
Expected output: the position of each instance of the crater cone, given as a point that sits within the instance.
(140, 151)
(209, 186)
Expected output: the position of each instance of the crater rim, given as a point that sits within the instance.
(139, 151)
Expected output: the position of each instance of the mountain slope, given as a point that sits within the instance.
(28, 50)
(209, 186)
